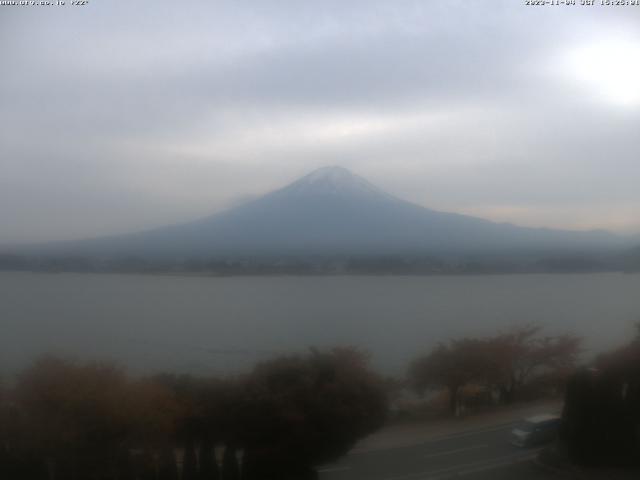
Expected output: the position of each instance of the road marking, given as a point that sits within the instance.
(495, 465)
(467, 468)
(469, 433)
(333, 469)
(435, 439)
(458, 450)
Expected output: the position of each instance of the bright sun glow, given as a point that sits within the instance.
(611, 69)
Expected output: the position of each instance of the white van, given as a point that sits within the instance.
(536, 430)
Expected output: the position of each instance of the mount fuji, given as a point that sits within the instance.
(332, 211)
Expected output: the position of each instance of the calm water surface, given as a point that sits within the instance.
(217, 325)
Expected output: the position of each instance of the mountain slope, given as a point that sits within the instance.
(334, 212)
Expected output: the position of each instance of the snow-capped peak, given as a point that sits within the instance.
(332, 180)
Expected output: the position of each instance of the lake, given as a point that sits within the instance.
(225, 324)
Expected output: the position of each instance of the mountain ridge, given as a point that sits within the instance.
(332, 211)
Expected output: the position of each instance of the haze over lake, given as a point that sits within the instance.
(225, 324)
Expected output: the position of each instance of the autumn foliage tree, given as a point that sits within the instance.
(69, 421)
(515, 357)
(303, 410)
(504, 363)
(450, 365)
(208, 419)
(74, 413)
(80, 421)
(601, 417)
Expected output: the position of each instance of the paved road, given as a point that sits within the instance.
(480, 454)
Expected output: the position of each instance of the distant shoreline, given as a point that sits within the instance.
(187, 274)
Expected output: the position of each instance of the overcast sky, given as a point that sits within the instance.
(121, 115)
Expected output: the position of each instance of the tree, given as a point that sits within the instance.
(302, 410)
(84, 420)
(155, 414)
(230, 467)
(208, 466)
(601, 417)
(450, 365)
(517, 356)
(75, 414)
(506, 363)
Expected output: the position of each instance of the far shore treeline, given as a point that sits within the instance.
(396, 264)
(62, 419)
